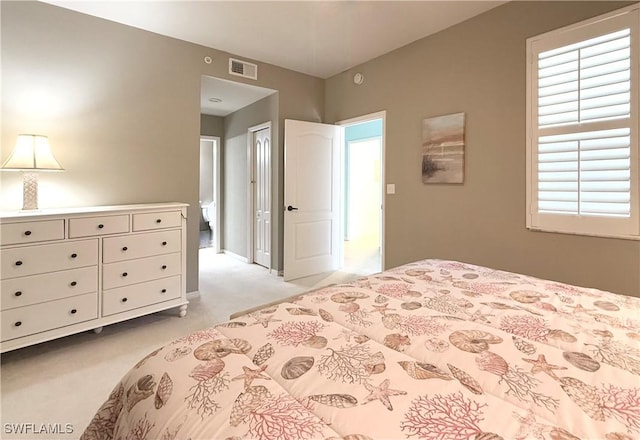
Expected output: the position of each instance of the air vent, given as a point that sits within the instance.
(243, 69)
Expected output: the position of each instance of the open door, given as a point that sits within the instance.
(311, 197)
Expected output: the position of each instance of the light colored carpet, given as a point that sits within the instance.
(65, 381)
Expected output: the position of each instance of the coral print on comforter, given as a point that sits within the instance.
(435, 350)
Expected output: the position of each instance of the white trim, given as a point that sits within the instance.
(193, 295)
(357, 120)
(251, 188)
(601, 226)
(217, 189)
(588, 22)
(250, 194)
(234, 255)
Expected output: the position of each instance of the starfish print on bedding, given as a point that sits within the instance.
(541, 364)
(383, 308)
(263, 320)
(345, 334)
(479, 316)
(579, 309)
(382, 393)
(529, 427)
(250, 375)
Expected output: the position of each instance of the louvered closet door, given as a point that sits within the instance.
(262, 197)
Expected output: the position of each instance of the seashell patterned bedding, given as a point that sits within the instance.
(433, 350)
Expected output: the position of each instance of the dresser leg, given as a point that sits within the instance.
(97, 330)
(182, 311)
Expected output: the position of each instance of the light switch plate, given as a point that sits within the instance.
(391, 188)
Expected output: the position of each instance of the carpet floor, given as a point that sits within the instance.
(57, 386)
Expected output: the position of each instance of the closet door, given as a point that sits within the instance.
(262, 197)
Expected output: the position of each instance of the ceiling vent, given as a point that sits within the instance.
(243, 69)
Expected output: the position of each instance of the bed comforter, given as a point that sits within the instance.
(432, 350)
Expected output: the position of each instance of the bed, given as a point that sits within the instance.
(430, 350)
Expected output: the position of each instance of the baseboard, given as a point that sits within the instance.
(236, 256)
(193, 295)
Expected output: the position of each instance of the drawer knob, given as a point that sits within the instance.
(124, 274)
(164, 266)
(100, 226)
(74, 255)
(158, 220)
(27, 232)
(18, 293)
(125, 249)
(164, 243)
(18, 323)
(74, 283)
(19, 263)
(163, 291)
(124, 300)
(74, 311)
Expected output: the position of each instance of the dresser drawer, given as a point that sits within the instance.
(24, 291)
(29, 232)
(140, 295)
(129, 247)
(91, 226)
(32, 260)
(156, 220)
(124, 273)
(46, 316)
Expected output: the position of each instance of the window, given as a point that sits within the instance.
(582, 127)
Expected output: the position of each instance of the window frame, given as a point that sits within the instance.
(628, 228)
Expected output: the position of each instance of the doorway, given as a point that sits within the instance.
(326, 227)
(228, 109)
(210, 192)
(362, 189)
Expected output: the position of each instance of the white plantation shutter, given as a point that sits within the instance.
(582, 146)
(586, 173)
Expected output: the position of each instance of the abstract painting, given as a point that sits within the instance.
(443, 149)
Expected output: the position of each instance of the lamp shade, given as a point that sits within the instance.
(32, 152)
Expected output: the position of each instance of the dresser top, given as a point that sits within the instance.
(56, 212)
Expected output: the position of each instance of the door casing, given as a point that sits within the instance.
(216, 189)
(358, 120)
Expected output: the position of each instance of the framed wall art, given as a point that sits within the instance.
(443, 149)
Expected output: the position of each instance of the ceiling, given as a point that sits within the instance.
(232, 95)
(319, 38)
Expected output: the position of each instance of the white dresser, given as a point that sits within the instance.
(67, 271)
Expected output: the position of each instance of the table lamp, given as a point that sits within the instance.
(31, 153)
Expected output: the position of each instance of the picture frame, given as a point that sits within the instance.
(443, 142)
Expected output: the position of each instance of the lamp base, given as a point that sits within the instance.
(29, 191)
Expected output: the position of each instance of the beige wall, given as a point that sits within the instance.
(121, 107)
(477, 67)
(211, 125)
(235, 175)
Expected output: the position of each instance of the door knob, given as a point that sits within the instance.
(291, 208)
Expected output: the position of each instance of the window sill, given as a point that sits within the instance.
(618, 236)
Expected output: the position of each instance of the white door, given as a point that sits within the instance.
(311, 198)
(262, 197)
